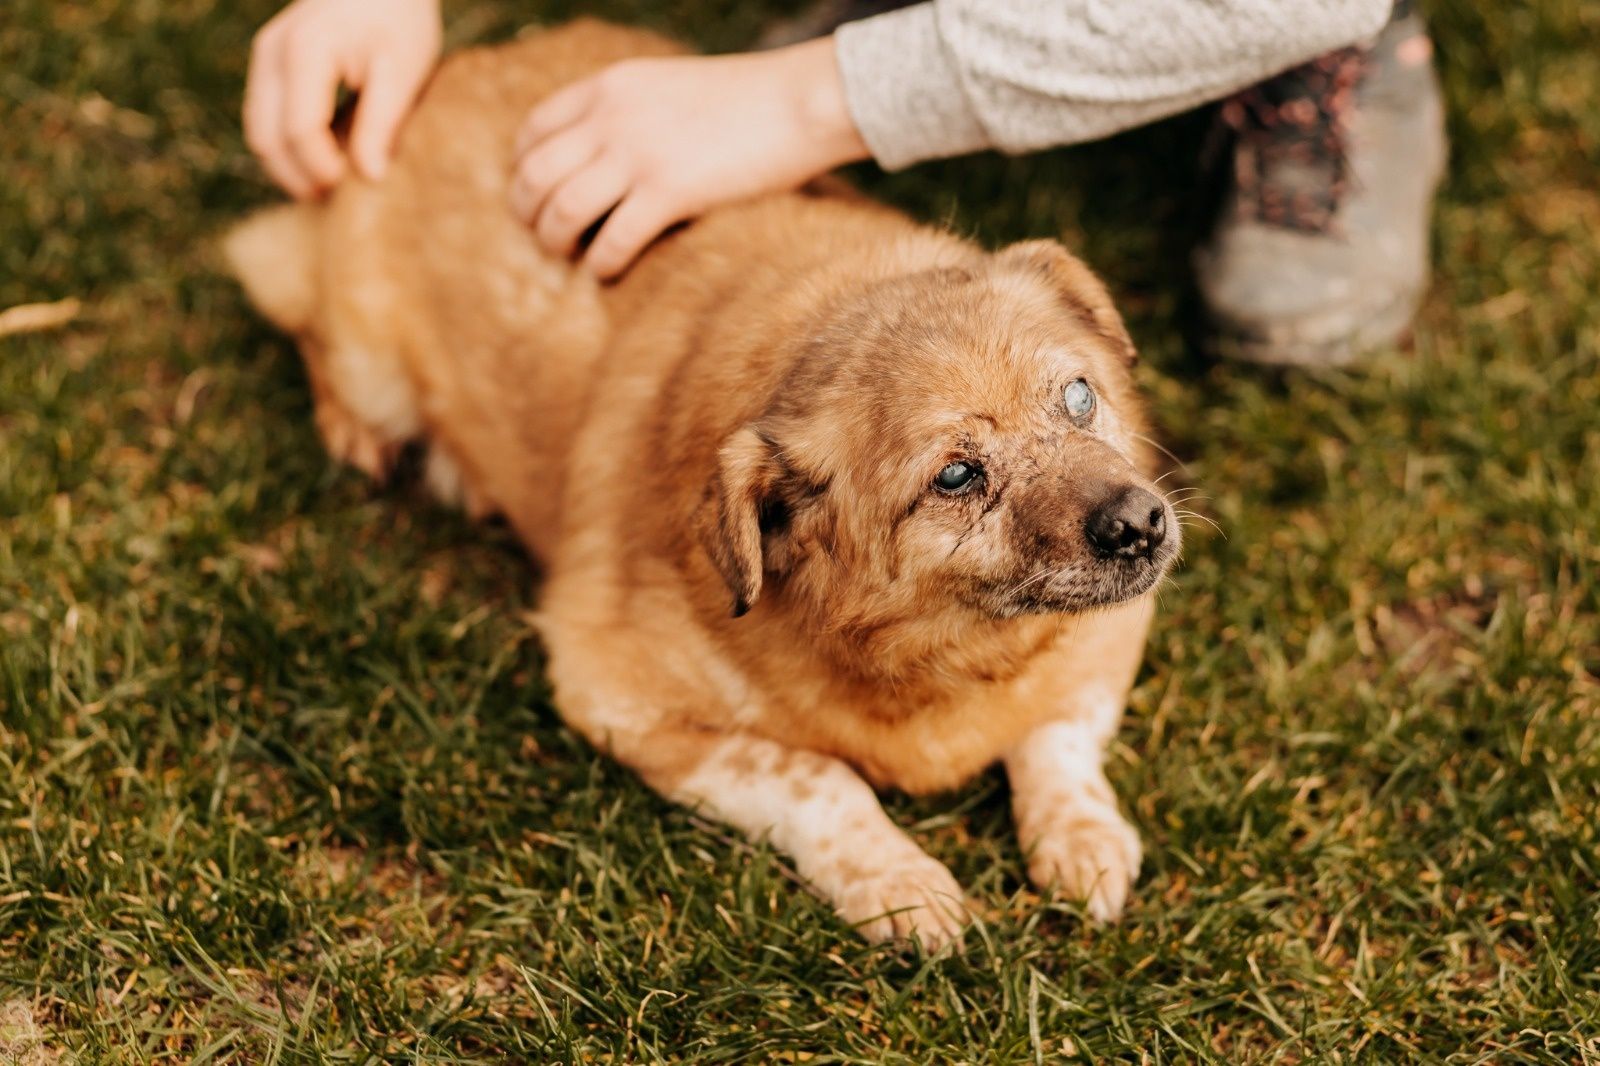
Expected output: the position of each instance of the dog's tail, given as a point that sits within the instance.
(273, 253)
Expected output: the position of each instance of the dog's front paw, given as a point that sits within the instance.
(450, 485)
(349, 440)
(912, 899)
(1087, 853)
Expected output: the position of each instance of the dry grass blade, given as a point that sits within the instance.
(36, 318)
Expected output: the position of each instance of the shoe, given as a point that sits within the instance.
(1320, 253)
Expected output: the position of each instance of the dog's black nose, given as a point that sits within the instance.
(1131, 524)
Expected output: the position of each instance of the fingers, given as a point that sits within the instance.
(637, 221)
(578, 157)
(385, 99)
(297, 63)
(263, 114)
(286, 112)
(548, 166)
(307, 111)
(555, 113)
(578, 203)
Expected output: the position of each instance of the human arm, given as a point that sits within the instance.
(947, 77)
(657, 141)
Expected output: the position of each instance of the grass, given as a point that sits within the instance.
(279, 779)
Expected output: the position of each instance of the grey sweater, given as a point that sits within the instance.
(946, 77)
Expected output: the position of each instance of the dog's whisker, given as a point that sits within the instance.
(1191, 496)
(1035, 579)
(1038, 578)
(1162, 449)
(1208, 521)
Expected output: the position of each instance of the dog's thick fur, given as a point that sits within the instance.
(755, 596)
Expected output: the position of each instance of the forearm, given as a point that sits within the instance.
(946, 77)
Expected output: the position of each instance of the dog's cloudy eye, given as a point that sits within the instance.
(957, 477)
(1079, 398)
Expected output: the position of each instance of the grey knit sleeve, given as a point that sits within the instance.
(946, 77)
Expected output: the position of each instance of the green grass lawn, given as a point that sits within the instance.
(279, 777)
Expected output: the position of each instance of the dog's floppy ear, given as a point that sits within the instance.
(273, 254)
(1083, 293)
(728, 520)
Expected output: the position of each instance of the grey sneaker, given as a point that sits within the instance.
(1320, 254)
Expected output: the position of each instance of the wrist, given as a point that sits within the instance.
(822, 111)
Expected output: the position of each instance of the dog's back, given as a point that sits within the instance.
(423, 308)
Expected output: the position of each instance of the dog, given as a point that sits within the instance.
(828, 501)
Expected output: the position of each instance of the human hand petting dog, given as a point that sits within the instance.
(297, 63)
(656, 141)
(650, 141)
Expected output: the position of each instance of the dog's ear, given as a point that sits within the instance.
(273, 253)
(1083, 293)
(729, 519)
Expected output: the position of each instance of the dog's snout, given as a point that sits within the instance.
(1130, 524)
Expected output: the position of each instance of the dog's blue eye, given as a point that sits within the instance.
(1079, 398)
(957, 477)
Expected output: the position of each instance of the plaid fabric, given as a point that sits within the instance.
(1291, 135)
(1290, 138)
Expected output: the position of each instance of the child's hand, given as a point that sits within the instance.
(657, 141)
(299, 59)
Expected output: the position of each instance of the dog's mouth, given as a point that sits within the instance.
(1080, 585)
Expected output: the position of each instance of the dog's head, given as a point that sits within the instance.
(964, 436)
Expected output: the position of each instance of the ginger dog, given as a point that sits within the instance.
(827, 499)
